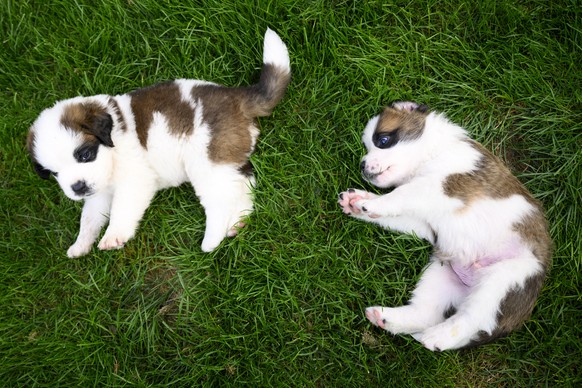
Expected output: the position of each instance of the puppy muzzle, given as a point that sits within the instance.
(366, 173)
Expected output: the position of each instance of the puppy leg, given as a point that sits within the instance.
(479, 310)
(406, 200)
(437, 291)
(227, 198)
(128, 206)
(93, 218)
(405, 224)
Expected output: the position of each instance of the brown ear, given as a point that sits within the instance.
(99, 123)
(90, 118)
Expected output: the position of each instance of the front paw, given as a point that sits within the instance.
(368, 208)
(349, 200)
(79, 248)
(112, 241)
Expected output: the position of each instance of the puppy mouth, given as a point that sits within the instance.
(370, 177)
(80, 197)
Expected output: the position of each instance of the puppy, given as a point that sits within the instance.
(491, 243)
(115, 152)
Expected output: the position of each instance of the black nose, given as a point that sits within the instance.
(362, 166)
(80, 187)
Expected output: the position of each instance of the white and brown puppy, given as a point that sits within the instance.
(115, 152)
(492, 247)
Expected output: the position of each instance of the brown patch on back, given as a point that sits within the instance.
(407, 125)
(224, 112)
(166, 99)
(490, 179)
(533, 230)
(117, 111)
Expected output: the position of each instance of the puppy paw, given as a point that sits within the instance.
(234, 230)
(349, 199)
(78, 249)
(377, 316)
(368, 208)
(211, 241)
(209, 246)
(110, 241)
(450, 334)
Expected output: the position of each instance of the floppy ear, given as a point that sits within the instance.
(41, 171)
(38, 168)
(422, 108)
(99, 124)
(90, 118)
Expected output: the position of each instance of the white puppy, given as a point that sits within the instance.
(115, 152)
(492, 247)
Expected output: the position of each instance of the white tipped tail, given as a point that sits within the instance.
(275, 77)
(274, 51)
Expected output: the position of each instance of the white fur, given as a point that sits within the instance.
(466, 234)
(123, 179)
(274, 51)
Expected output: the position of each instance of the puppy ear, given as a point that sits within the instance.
(41, 171)
(90, 118)
(422, 108)
(38, 168)
(409, 106)
(99, 124)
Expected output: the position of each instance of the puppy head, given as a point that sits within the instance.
(392, 141)
(72, 142)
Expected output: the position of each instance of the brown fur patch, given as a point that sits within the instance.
(490, 179)
(514, 310)
(166, 99)
(117, 111)
(494, 180)
(407, 125)
(263, 96)
(230, 113)
(533, 230)
(231, 140)
(89, 119)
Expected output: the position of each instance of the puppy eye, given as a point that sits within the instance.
(383, 141)
(85, 156)
(86, 153)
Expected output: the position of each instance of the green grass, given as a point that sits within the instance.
(282, 304)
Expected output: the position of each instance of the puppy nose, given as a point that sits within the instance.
(80, 187)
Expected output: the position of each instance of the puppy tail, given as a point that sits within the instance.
(275, 77)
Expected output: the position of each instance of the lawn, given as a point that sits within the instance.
(282, 303)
